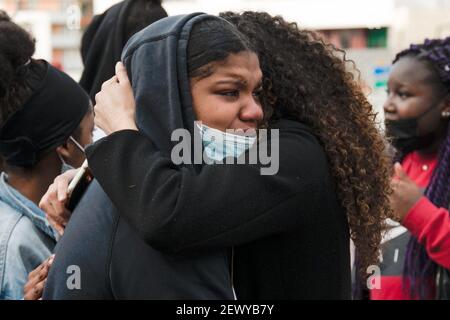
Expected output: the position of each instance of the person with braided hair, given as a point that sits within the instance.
(416, 255)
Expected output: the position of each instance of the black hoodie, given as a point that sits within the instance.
(289, 229)
(104, 39)
(114, 263)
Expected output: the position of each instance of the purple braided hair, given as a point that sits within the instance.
(419, 268)
(436, 51)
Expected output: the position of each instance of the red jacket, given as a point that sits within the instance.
(428, 223)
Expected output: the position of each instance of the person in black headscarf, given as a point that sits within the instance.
(46, 119)
(105, 37)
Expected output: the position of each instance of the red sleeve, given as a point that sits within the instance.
(431, 226)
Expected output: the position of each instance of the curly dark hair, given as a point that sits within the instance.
(16, 66)
(307, 80)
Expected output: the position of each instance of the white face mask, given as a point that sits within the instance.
(77, 144)
(64, 165)
(219, 145)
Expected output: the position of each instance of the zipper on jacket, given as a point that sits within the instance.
(232, 273)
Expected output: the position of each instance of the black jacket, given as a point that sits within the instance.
(115, 264)
(290, 232)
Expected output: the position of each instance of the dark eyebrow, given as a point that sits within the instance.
(239, 83)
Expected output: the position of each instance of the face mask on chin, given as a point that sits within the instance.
(404, 133)
(219, 145)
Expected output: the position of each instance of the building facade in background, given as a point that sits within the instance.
(57, 26)
(370, 31)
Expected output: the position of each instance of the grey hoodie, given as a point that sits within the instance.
(98, 245)
(156, 62)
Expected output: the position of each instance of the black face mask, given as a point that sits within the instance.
(404, 133)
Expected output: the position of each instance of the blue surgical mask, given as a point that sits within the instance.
(219, 145)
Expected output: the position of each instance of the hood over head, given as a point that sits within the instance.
(105, 37)
(156, 63)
